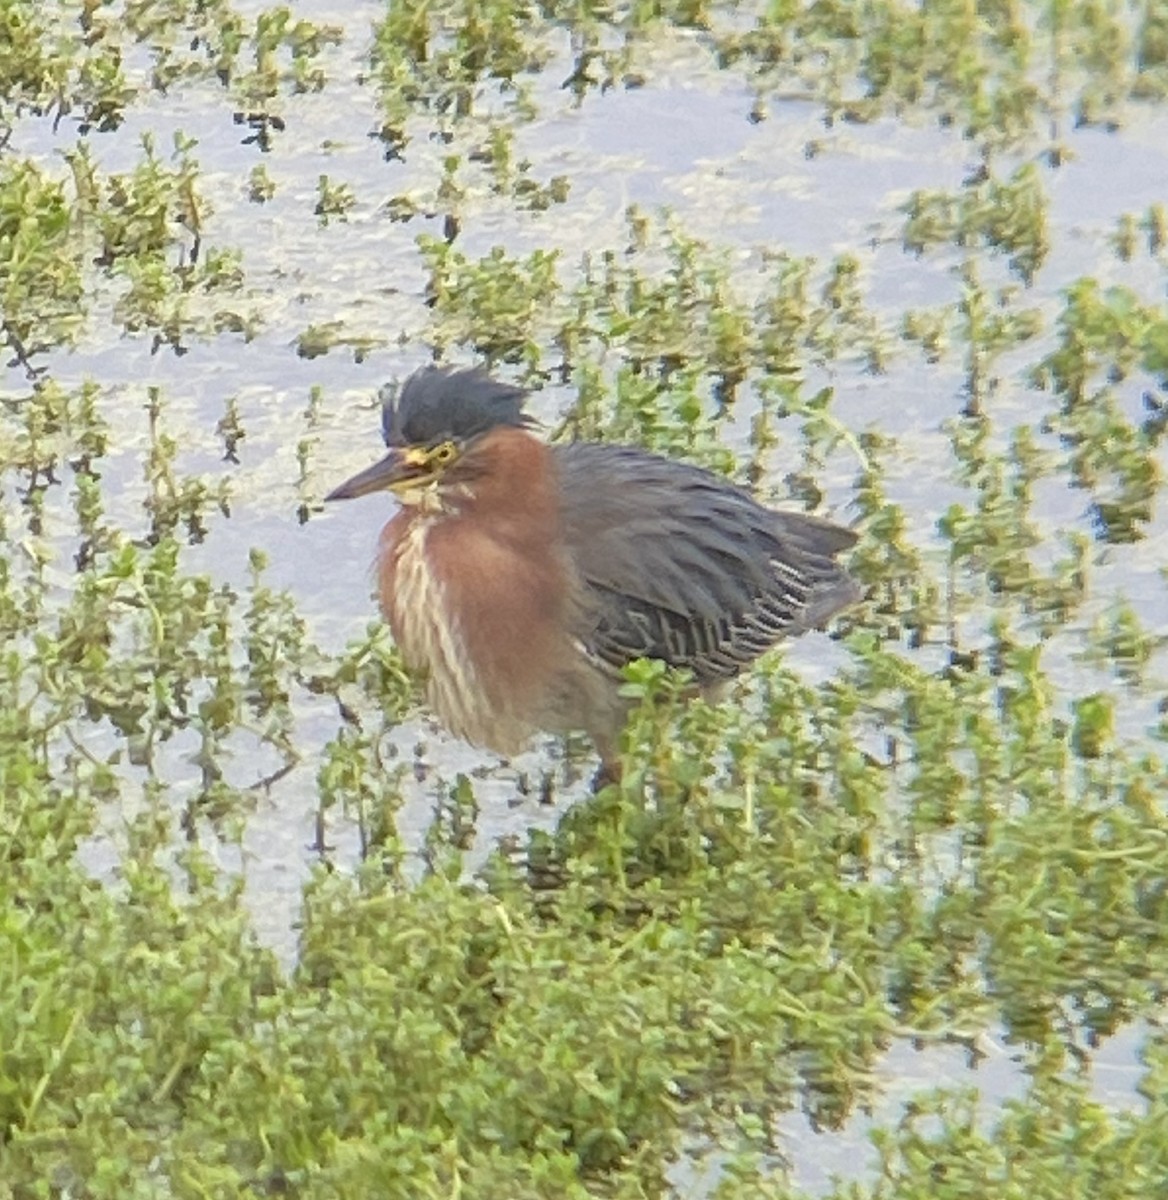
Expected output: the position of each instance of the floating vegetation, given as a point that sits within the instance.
(941, 824)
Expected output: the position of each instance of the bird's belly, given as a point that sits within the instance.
(431, 641)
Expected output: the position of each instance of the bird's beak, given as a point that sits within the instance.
(399, 469)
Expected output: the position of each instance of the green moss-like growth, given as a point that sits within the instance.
(942, 825)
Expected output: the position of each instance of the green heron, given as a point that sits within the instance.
(520, 577)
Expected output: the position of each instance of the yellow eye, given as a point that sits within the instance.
(443, 454)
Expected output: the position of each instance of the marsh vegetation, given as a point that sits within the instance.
(264, 930)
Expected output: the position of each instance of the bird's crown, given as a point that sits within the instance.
(440, 404)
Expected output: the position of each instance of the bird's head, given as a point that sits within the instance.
(432, 426)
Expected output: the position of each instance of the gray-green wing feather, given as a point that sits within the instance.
(681, 566)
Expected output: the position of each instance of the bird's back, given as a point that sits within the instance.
(682, 566)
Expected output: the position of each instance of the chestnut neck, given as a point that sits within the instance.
(506, 481)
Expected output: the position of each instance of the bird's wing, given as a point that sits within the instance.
(679, 565)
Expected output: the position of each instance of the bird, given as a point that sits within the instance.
(519, 577)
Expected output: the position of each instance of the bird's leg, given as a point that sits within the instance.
(547, 789)
(607, 745)
(604, 776)
(608, 772)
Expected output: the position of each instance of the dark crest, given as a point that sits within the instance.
(438, 404)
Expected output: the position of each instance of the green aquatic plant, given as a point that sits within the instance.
(41, 261)
(1009, 217)
(940, 823)
(498, 304)
(1104, 337)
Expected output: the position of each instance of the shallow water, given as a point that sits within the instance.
(682, 142)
